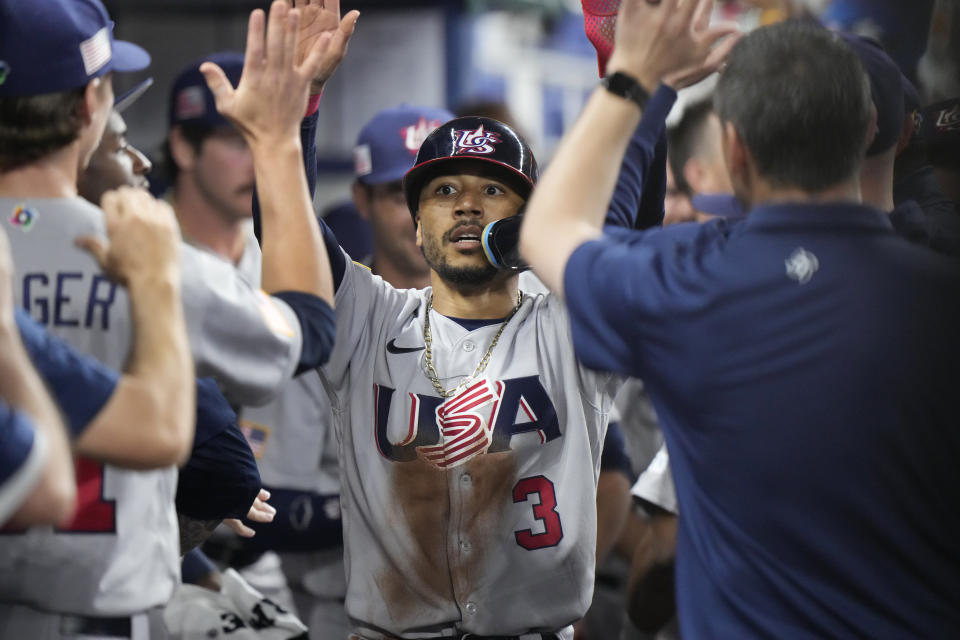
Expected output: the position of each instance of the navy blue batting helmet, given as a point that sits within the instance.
(472, 138)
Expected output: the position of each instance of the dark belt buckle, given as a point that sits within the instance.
(95, 626)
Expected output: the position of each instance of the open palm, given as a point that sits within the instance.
(320, 22)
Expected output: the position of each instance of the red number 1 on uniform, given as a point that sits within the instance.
(545, 512)
(95, 514)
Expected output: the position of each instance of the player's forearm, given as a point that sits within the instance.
(162, 361)
(570, 202)
(53, 499)
(294, 255)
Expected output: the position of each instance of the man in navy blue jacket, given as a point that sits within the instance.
(802, 361)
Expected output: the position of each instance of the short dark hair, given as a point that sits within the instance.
(683, 140)
(32, 127)
(195, 135)
(800, 100)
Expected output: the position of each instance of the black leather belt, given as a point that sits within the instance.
(95, 626)
(526, 636)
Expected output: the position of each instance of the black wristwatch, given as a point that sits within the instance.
(620, 84)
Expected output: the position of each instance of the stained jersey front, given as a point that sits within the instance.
(476, 515)
(120, 553)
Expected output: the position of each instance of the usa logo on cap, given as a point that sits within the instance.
(949, 119)
(191, 104)
(414, 135)
(476, 141)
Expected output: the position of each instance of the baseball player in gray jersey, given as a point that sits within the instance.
(118, 557)
(469, 505)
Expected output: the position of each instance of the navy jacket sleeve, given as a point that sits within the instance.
(614, 456)
(641, 185)
(220, 480)
(80, 384)
(308, 142)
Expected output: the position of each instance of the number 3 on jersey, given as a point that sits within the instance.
(545, 512)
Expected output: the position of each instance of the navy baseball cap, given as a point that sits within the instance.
(387, 145)
(941, 132)
(191, 102)
(47, 46)
(886, 88)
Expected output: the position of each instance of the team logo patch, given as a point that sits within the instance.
(414, 135)
(256, 436)
(191, 103)
(949, 119)
(466, 426)
(95, 51)
(362, 161)
(4, 71)
(476, 141)
(801, 265)
(23, 217)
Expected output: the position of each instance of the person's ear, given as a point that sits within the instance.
(361, 200)
(416, 222)
(873, 130)
(181, 151)
(693, 174)
(92, 98)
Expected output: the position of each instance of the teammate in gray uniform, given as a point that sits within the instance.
(469, 506)
(126, 537)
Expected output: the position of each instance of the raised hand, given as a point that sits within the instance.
(271, 98)
(144, 239)
(320, 25)
(670, 41)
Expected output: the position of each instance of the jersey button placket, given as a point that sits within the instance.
(469, 346)
(470, 608)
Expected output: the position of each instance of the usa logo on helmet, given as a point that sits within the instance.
(476, 141)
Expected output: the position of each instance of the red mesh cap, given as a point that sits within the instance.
(600, 22)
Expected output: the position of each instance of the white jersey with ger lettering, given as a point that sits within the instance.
(120, 554)
(474, 515)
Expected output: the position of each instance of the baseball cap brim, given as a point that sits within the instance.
(127, 98)
(128, 57)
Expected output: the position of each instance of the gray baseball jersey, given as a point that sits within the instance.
(120, 553)
(475, 514)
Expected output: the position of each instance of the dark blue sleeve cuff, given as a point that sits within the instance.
(614, 456)
(196, 565)
(317, 325)
(214, 413)
(221, 479)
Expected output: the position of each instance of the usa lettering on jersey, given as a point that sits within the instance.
(483, 418)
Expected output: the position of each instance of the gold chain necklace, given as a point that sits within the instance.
(428, 344)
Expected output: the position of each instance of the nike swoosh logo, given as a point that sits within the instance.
(393, 348)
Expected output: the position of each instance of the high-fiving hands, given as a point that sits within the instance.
(270, 100)
(321, 26)
(669, 41)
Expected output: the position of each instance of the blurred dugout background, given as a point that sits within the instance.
(531, 55)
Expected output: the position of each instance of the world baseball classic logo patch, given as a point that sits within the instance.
(476, 141)
(23, 217)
